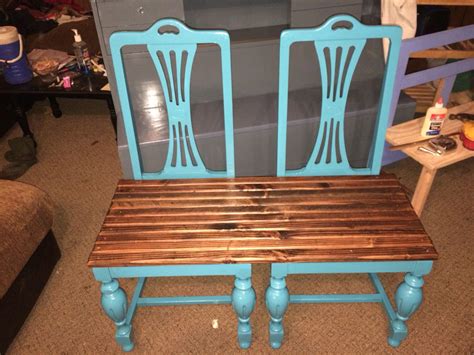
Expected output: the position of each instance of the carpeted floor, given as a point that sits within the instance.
(78, 166)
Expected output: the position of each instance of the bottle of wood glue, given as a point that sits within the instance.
(81, 52)
(434, 119)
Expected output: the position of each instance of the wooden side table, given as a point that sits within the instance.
(408, 132)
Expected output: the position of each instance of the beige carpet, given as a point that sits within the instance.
(78, 166)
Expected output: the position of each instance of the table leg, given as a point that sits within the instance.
(21, 117)
(277, 298)
(54, 107)
(408, 299)
(114, 303)
(422, 189)
(113, 114)
(243, 302)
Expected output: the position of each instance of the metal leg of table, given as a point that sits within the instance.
(21, 117)
(422, 189)
(54, 107)
(113, 114)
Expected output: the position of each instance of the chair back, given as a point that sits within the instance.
(339, 43)
(172, 47)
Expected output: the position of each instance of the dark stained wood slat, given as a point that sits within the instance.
(261, 244)
(152, 210)
(230, 228)
(261, 219)
(259, 180)
(256, 215)
(256, 222)
(153, 235)
(253, 237)
(313, 226)
(143, 189)
(259, 194)
(284, 201)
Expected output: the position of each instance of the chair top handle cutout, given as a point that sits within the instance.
(337, 22)
(342, 25)
(168, 30)
(167, 26)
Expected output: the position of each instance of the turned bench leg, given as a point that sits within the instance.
(277, 298)
(408, 299)
(243, 302)
(114, 303)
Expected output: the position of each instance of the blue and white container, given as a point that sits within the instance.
(12, 57)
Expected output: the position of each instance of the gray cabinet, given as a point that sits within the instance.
(308, 13)
(124, 13)
(236, 14)
(254, 26)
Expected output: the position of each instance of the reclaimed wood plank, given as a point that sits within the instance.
(260, 219)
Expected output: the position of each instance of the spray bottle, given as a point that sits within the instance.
(81, 52)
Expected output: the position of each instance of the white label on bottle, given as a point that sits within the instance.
(436, 121)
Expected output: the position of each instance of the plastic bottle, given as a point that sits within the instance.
(81, 52)
(434, 119)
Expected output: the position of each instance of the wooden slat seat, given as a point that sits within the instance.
(260, 219)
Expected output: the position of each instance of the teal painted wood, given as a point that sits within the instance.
(338, 49)
(183, 301)
(105, 274)
(418, 267)
(138, 300)
(243, 302)
(339, 43)
(381, 291)
(114, 303)
(134, 301)
(336, 298)
(407, 298)
(114, 299)
(172, 46)
(277, 299)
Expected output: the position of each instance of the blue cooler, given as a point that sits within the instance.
(12, 57)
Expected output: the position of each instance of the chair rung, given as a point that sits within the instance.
(185, 300)
(336, 298)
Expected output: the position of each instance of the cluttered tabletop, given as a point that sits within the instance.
(56, 71)
(50, 48)
(451, 142)
(456, 132)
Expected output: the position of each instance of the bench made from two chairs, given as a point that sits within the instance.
(188, 221)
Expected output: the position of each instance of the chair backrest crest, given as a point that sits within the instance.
(338, 43)
(172, 47)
